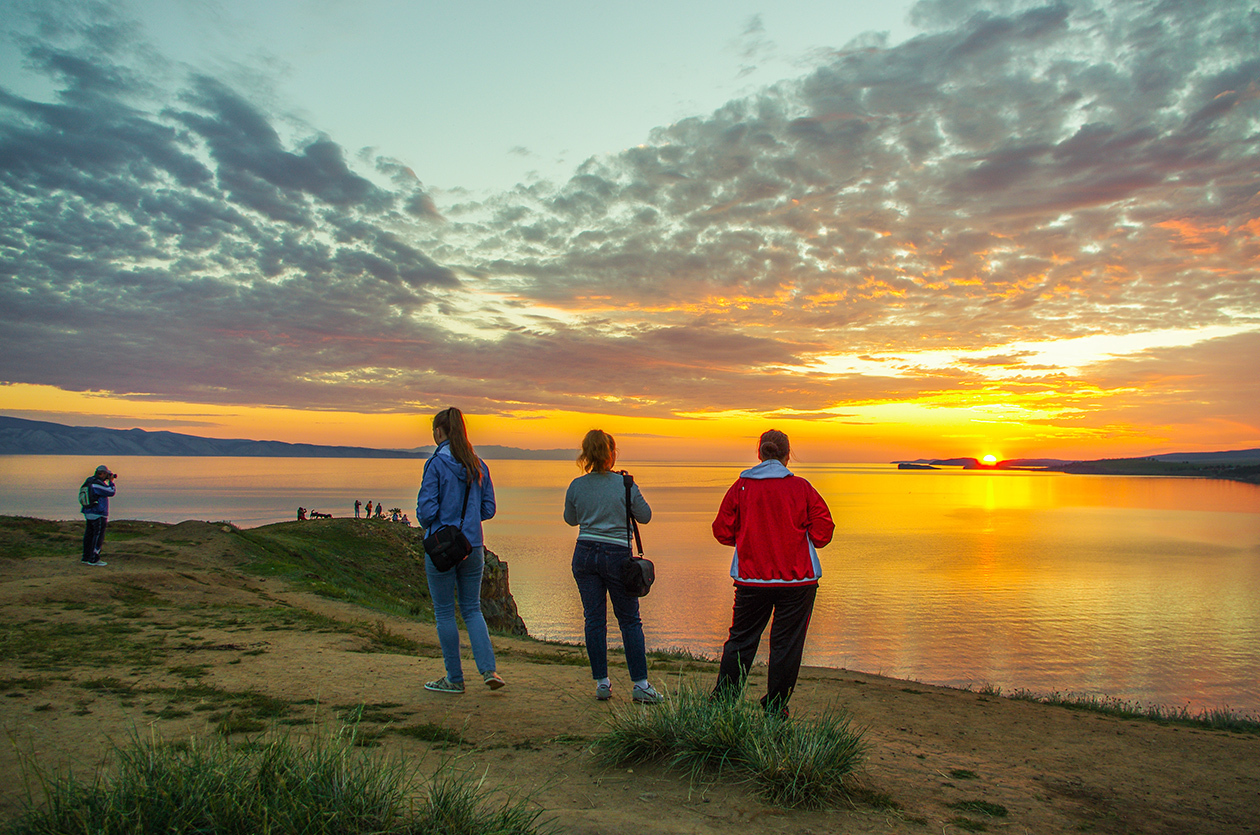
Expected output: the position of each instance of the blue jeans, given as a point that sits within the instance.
(464, 578)
(597, 570)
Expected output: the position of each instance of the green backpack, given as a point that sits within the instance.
(85, 495)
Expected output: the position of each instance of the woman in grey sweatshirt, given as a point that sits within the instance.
(596, 504)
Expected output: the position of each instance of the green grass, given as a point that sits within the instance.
(22, 537)
(272, 786)
(791, 763)
(23, 683)
(63, 646)
(379, 567)
(980, 807)
(1221, 719)
(430, 732)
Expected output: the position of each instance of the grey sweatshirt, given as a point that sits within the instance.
(596, 502)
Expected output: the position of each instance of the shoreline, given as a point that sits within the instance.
(1248, 721)
(193, 644)
(499, 603)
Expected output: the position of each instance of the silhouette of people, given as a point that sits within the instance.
(358, 505)
(369, 509)
(301, 514)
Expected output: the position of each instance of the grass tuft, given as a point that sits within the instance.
(980, 807)
(430, 732)
(792, 763)
(454, 805)
(273, 786)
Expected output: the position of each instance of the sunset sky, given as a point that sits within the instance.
(950, 227)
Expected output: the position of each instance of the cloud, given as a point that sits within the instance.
(1017, 172)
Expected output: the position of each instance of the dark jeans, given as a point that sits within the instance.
(93, 539)
(792, 607)
(597, 570)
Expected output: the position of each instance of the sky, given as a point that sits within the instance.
(934, 228)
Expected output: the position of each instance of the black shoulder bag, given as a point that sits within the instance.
(447, 546)
(637, 573)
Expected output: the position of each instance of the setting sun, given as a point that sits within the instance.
(989, 459)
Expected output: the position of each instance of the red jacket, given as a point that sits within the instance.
(775, 520)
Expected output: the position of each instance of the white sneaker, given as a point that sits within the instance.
(646, 695)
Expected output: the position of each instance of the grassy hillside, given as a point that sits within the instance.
(375, 564)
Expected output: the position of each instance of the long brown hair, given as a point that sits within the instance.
(599, 452)
(451, 421)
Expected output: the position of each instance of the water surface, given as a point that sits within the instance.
(1135, 587)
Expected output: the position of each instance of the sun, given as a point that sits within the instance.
(989, 459)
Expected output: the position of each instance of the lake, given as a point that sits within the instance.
(1140, 588)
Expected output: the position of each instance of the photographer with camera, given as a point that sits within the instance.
(94, 503)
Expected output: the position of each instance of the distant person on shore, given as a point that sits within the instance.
(380, 511)
(775, 520)
(456, 490)
(358, 505)
(406, 521)
(94, 504)
(596, 504)
(301, 514)
(369, 509)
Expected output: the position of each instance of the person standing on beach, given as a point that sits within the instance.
(596, 504)
(456, 490)
(94, 503)
(357, 506)
(776, 520)
(369, 510)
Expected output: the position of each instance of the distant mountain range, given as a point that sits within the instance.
(36, 437)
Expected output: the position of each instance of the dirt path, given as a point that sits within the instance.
(173, 640)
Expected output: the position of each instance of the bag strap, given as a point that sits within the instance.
(632, 524)
(464, 510)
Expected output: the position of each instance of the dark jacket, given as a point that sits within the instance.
(100, 493)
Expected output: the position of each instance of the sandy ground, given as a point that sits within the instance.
(1054, 770)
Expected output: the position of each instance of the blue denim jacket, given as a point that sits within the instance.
(442, 495)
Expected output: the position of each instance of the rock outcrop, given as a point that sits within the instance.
(497, 603)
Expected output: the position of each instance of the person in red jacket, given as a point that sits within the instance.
(776, 520)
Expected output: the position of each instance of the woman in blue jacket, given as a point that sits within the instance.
(453, 468)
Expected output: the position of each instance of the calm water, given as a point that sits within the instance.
(1140, 588)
